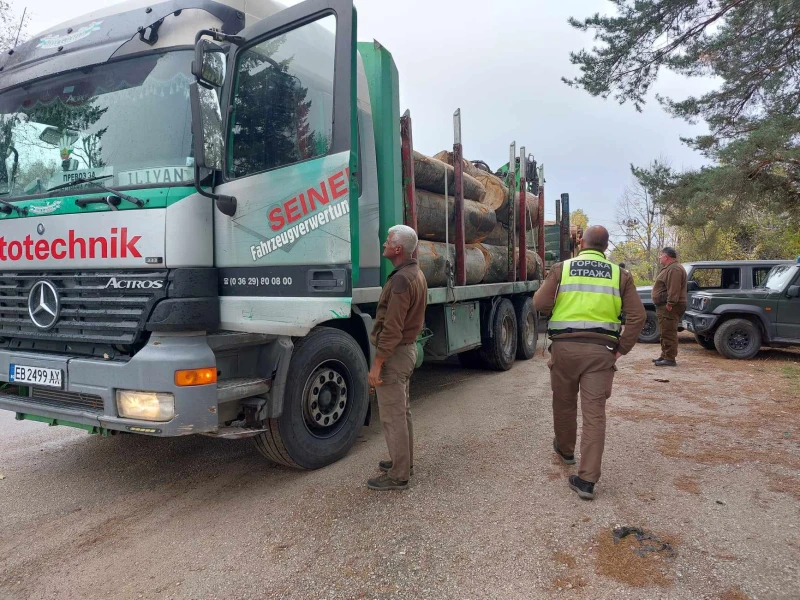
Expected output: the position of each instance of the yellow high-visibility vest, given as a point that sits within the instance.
(588, 297)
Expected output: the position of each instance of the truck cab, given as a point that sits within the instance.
(190, 226)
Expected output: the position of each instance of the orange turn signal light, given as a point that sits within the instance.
(189, 377)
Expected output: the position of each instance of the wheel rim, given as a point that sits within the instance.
(649, 326)
(739, 340)
(507, 335)
(326, 399)
(530, 330)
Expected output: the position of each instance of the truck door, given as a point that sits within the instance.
(286, 256)
(788, 325)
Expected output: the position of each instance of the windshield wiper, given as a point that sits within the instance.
(93, 180)
(8, 206)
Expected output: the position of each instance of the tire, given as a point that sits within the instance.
(738, 338)
(527, 334)
(705, 342)
(650, 333)
(498, 352)
(314, 429)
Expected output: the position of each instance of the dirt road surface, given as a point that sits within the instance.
(708, 462)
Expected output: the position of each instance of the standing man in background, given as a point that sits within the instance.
(399, 319)
(586, 295)
(669, 296)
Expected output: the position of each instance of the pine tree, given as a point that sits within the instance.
(752, 47)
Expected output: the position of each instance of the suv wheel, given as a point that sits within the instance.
(650, 333)
(738, 338)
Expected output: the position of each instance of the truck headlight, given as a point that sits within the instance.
(703, 303)
(147, 406)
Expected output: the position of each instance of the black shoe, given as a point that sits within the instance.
(386, 466)
(655, 360)
(663, 362)
(384, 483)
(568, 459)
(584, 489)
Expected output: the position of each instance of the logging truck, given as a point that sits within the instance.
(193, 196)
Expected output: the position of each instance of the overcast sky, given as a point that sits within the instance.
(501, 62)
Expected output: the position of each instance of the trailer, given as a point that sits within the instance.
(191, 218)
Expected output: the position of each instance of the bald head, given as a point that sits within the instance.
(595, 238)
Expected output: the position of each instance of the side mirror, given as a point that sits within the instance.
(692, 286)
(207, 118)
(208, 65)
(793, 291)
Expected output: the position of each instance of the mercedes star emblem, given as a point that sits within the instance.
(40, 229)
(43, 304)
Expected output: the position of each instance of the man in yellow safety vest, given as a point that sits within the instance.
(585, 296)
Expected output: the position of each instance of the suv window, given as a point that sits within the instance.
(760, 275)
(711, 278)
(283, 100)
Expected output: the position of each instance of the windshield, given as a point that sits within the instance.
(779, 277)
(130, 120)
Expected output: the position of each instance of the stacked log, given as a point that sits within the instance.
(496, 191)
(496, 259)
(432, 258)
(429, 175)
(479, 220)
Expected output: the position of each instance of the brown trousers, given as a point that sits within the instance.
(588, 368)
(395, 409)
(668, 321)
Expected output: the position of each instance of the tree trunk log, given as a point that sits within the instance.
(479, 220)
(496, 258)
(429, 175)
(496, 196)
(447, 157)
(432, 261)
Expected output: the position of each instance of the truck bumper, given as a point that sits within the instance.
(698, 323)
(88, 394)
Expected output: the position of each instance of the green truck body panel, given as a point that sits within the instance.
(384, 92)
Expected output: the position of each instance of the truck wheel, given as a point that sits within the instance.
(738, 338)
(325, 402)
(650, 333)
(705, 342)
(499, 351)
(527, 334)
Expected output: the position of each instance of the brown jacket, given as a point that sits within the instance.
(401, 309)
(545, 299)
(670, 285)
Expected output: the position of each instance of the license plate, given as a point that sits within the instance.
(687, 325)
(35, 375)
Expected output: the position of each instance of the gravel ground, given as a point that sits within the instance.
(708, 462)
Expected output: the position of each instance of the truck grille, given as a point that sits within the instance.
(61, 399)
(92, 309)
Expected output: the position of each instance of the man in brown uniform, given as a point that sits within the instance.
(669, 296)
(585, 296)
(398, 321)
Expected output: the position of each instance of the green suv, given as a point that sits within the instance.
(739, 322)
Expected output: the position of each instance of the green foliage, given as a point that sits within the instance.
(752, 47)
(579, 218)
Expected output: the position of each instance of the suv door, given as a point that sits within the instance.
(286, 257)
(788, 325)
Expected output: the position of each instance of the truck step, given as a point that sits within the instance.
(237, 388)
(235, 433)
